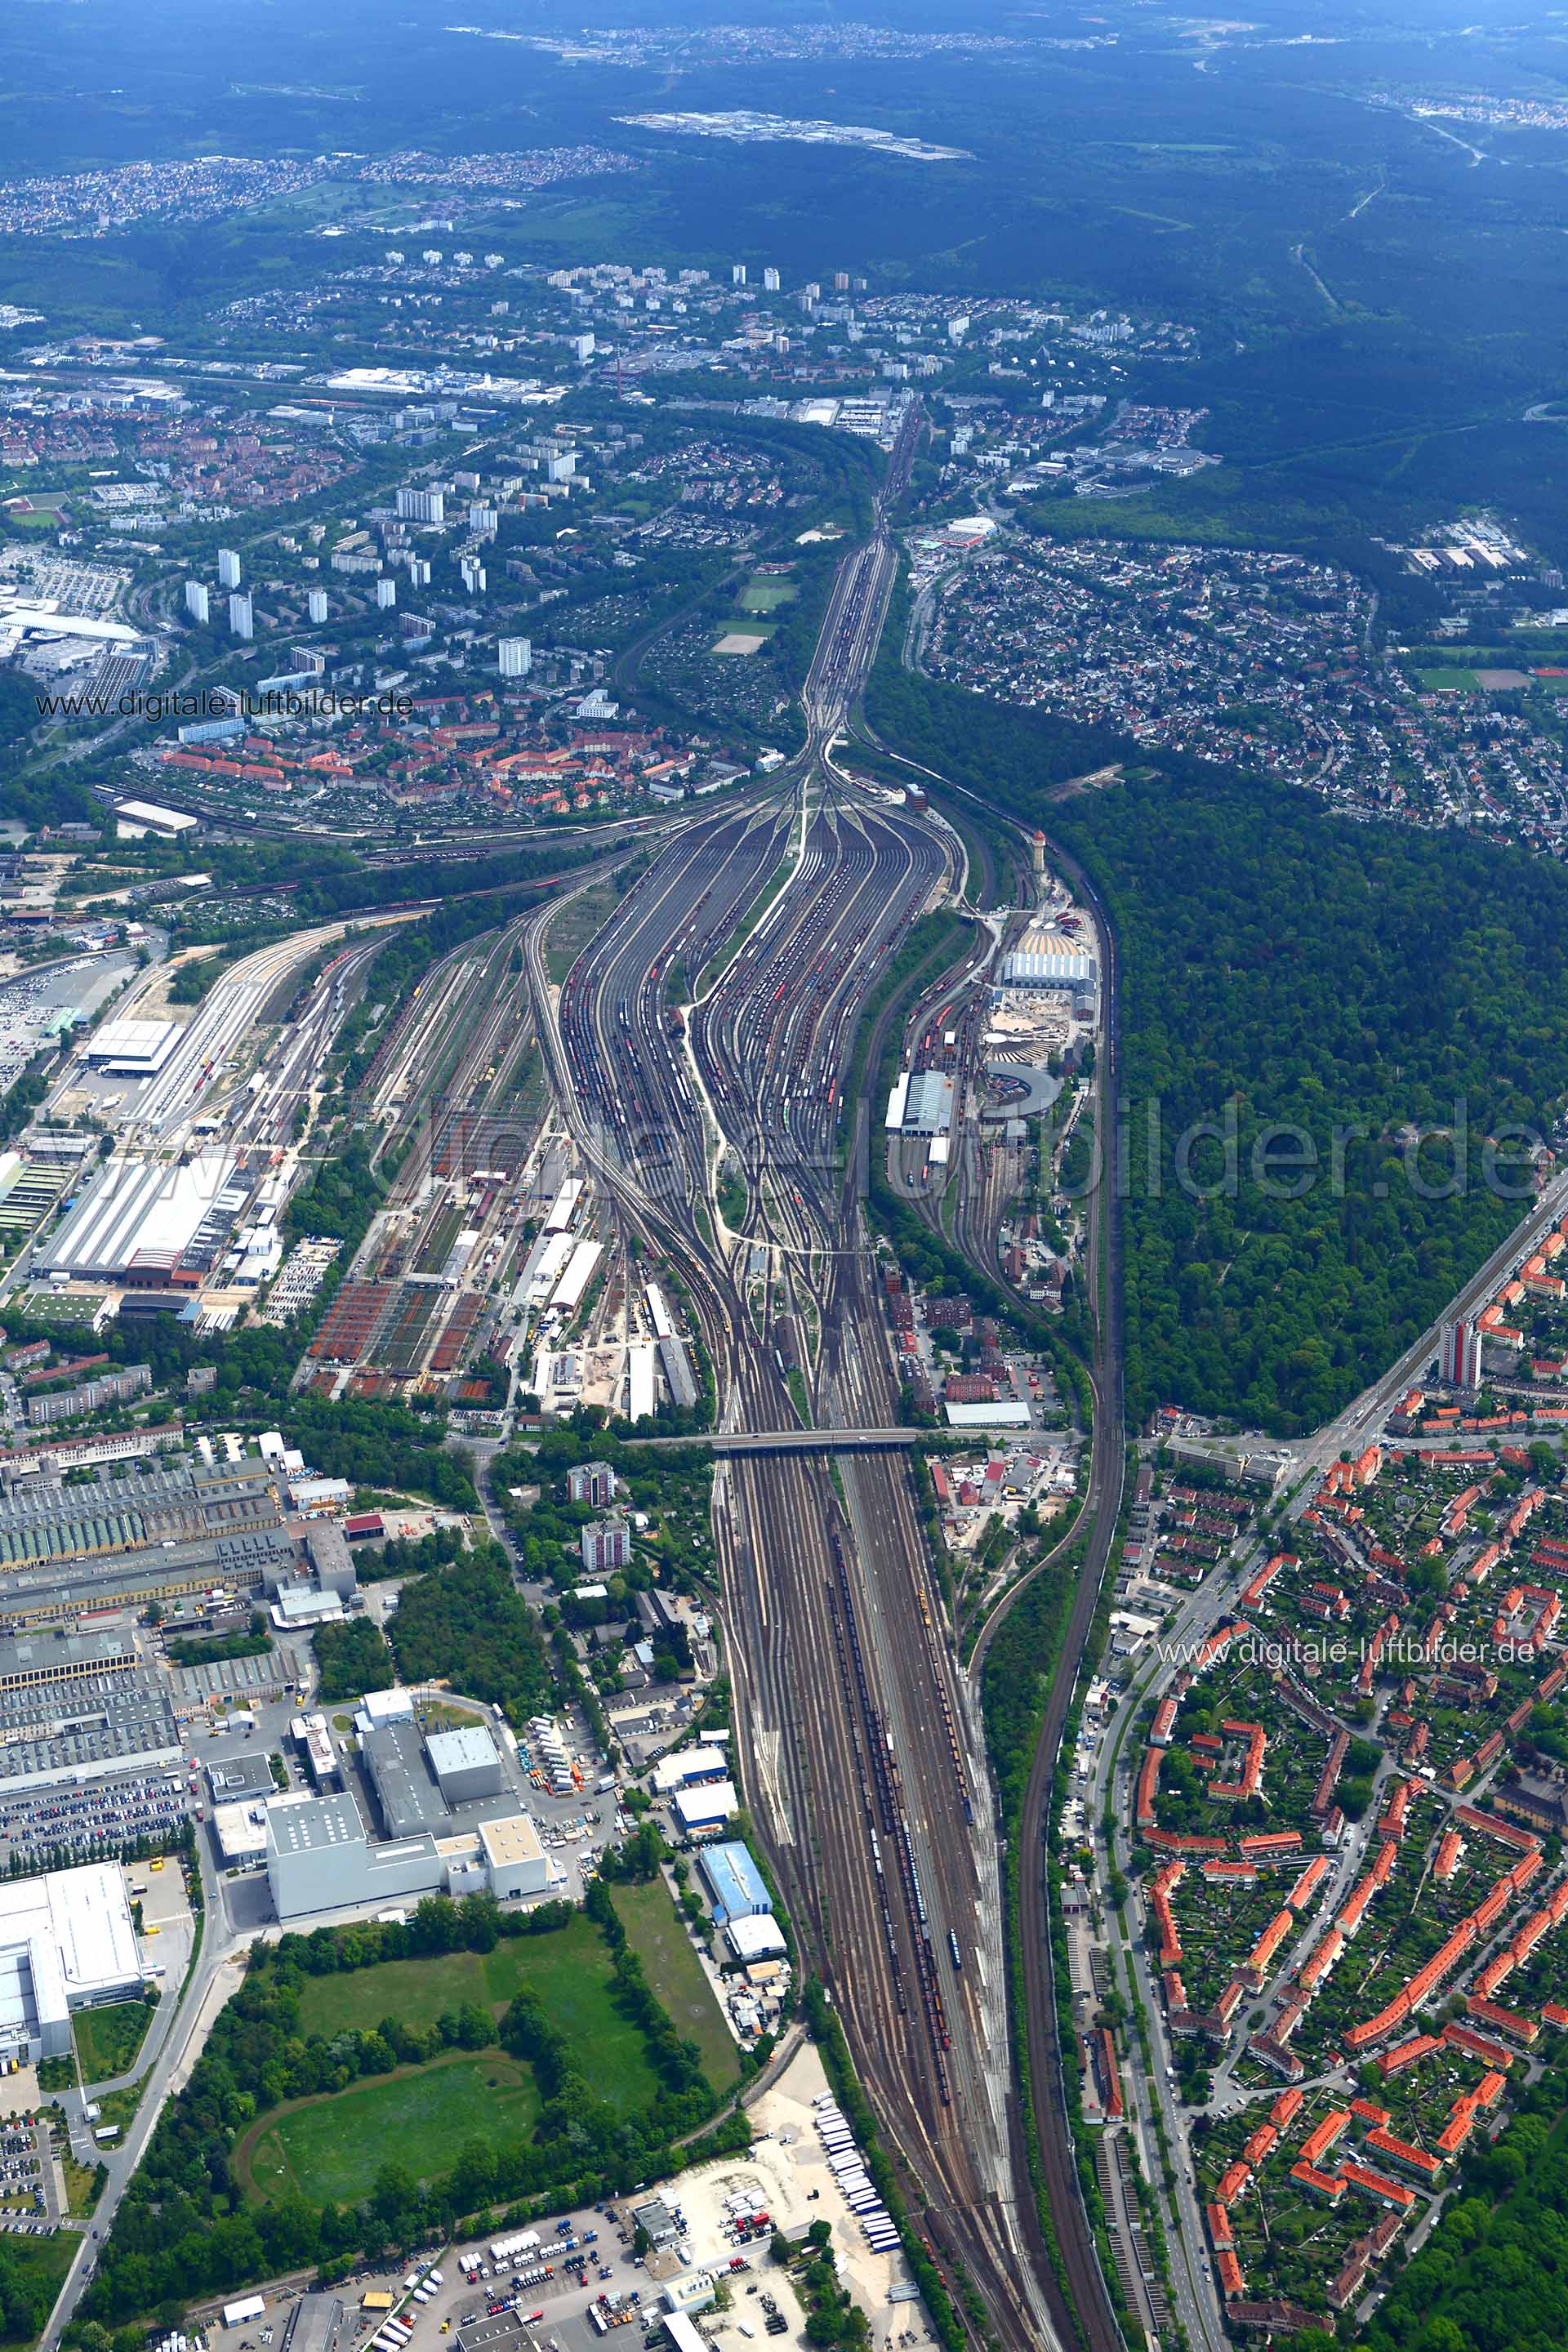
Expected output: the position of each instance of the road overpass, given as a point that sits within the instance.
(795, 1440)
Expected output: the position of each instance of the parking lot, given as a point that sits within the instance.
(97, 1818)
(723, 2215)
(23, 2186)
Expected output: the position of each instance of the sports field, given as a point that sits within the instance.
(420, 2117)
(767, 595)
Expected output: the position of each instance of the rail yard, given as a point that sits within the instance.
(708, 1107)
(614, 1143)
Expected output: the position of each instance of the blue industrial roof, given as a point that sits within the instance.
(734, 1882)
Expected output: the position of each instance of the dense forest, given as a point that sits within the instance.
(27, 2295)
(379, 1444)
(350, 1659)
(468, 1624)
(1385, 1001)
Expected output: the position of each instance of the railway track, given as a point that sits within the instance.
(863, 1762)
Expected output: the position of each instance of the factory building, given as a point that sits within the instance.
(316, 2324)
(688, 1767)
(405, 1790)
(464, 1763)
(131, 1049)
(137, 1222)
(91, 1722)
(671, 1352)
(702, 1812)
(417, 1780)
(152, 818)
(677, 1373)
(326, 1547)
(297, 1605)
(67, 1942)
(318, 1857)
(314, 1742)
(57, 1656)
(928, 1104)
(750, 1939)
(393, 1705)
(41, 1519)
(312, 1592)
(241, 1795)
(1005, 1413)
(515, 1862)
(239, 1827)
(1049, 959)
(321, 1858)
(46, 1592)
(241, 1776)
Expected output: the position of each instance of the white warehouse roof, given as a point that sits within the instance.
(137, 1205)
(754, 1938)
(1048, 958)
(688, 1764)
(987, 1416)
(136, 1047)
(928, 1104)
(39, 620)
(393, 1705)
(1055, 970)
(714, 1803)
(568, 1291)
(164, 820)
(71, 1933)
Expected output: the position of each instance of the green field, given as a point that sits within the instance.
(332, 2147)
(767, 595)
(107, 2040)
(1447, 681)
(659, 1938)
(569, 1970)
(420, 2117)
